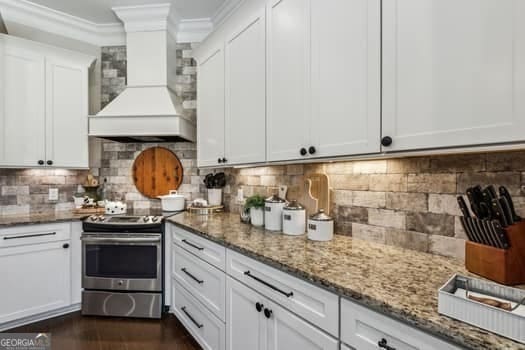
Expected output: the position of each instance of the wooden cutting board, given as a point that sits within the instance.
(156, 171)
(316, 193)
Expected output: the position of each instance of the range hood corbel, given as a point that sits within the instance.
(148, 110)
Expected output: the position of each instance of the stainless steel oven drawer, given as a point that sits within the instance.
(146, 305)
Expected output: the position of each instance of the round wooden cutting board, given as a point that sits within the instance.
(156, 171)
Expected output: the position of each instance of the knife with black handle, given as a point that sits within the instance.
(503, 192)
(482, 232)
(506, 210)
(473, 231)
(467, 229)
(490, 234)
(492, 190)
(498, 212)
(501, 234)
(463, 207)
(475, 198)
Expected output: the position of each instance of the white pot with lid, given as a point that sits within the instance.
(294, 219)
(172, 201)
(320, 227)
(273, 213)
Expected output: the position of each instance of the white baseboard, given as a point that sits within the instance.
(39, 317)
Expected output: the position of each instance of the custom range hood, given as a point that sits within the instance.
(148, 109)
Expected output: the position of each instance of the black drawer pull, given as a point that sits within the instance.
(191, 276)
(247, 273)
(33, 235)
(199, 325)
(383, 343)
(192, 245)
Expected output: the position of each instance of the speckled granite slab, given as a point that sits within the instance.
(397, 282)
(62, 216)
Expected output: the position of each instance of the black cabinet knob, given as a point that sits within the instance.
(386, 141)
(65, 245)
(303, 151)
(49, 162)
(267, 313)
(40, 162)
(383, 343)
(311, 150)
(219, 160)
(259, 306)
(224, 160)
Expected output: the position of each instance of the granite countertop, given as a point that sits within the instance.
(398, 282)
(30, 219)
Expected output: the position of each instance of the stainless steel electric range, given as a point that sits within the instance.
(123, 266)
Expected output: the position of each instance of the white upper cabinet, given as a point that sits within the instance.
(245, 90)
(288, 90)
(23, 112)
(210, 107)
(323, 78)
(67, 108)
(44, 105)
(346, 81)
(453, 72)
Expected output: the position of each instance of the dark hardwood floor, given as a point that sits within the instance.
(76, 332)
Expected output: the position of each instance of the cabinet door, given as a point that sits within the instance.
(245, 326)
(210, 118)
(23, 116)
(346, 86)
(246, 92)
(288, 89)
(38, 277)
(66, 115)
(453, 72)
(288, 331)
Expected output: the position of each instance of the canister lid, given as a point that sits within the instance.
(274, 199)
(293, 205)
(321, 216)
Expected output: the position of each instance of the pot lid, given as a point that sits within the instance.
(293, 205)
(172, 194)
(274, 199)
(321, 216)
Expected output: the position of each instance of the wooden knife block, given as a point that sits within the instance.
(505, 266)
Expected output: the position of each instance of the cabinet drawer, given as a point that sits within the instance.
(208, 251)
(34, 234)
(204, 281)
(314, 304)
(364, 329)
(207, 329)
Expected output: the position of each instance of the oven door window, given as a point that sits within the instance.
(121, 261)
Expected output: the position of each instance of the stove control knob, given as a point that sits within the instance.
(147, 219)
(154, 218)
(101, 218)
(93, 218)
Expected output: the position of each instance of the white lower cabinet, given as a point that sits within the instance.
(40, 270)
(36, 279)
(207, 329)
(255, 322)
(367, 330)
(203, 280)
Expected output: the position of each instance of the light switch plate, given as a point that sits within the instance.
(53, 194)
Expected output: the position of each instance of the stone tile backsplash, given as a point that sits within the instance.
(26, 191)
(407, 202)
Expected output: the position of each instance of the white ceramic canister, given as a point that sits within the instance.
(257, 216)
(294, 219)
(273, 213)
(320, 227)
(214, 196)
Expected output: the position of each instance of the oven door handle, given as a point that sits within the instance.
(120, 240)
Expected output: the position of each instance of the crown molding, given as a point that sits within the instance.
(193, 30)
(142, 18)
(60, 23)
